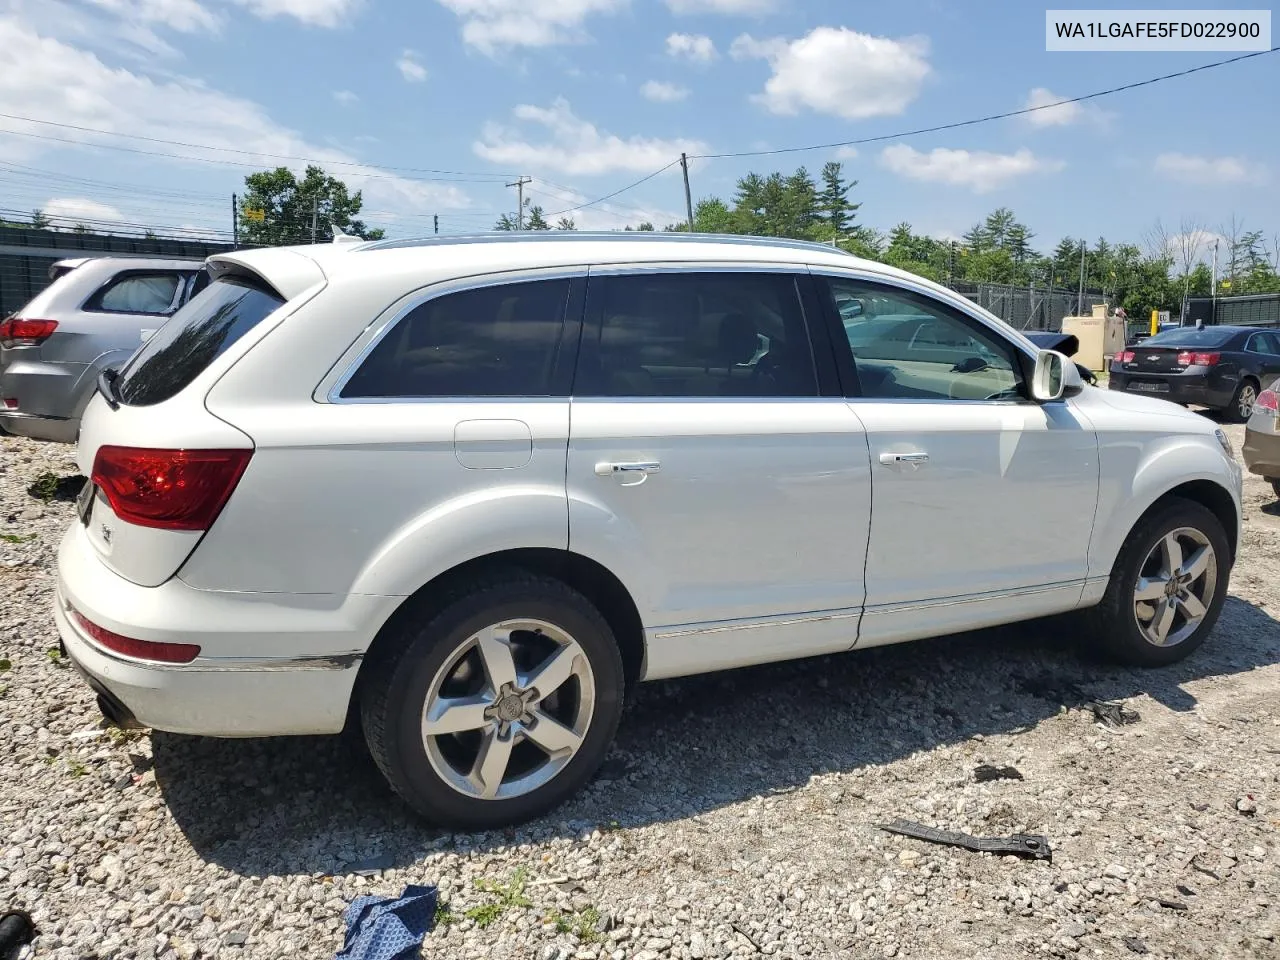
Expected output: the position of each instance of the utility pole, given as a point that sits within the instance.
(688, 197)
(235, 224)
(315, 215)
(519, 185)
(435, 217)
(1080, 302)
(1213, 287)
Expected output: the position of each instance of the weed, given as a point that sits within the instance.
(444, 915)
(581, 925)
(509, 894)
(76, 768)
(4, 691)
(55, 657)
(5, 665)
(49, 487)
(17, 537)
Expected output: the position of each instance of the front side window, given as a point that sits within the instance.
(150, 293)
(907, 346)
(697, 335)
(496, 341)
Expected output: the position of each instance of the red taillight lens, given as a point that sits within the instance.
(1267, 400)
(139, 649)
(1186, 358)
(1206, 359)
(1124, 356)
(15, 332)
(168, 489)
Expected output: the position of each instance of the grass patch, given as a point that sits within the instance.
(444, 915)
(56, 658)
(17, 537)
(76, 768)
(581, 925)
(48, 487)
(5, 665)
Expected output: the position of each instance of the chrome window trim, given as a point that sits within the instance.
(330, 388)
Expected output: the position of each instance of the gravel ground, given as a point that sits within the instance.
(735, 817)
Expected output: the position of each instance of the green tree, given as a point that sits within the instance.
(712, 215)
(536, 220)
(833, 202)
(566, 223)
(997, 226)
(645, 227)
(290, 206)
(39, 220)
(506, 222)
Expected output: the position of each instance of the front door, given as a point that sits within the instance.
(708, 470)
(982, 500)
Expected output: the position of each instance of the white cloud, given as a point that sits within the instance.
(186, 16)
(47, 78)
(847, 153)
(575, 145)
(75, 209)
(566, 202)
(839, 71)
(745, 7)
(317, 13)
(345, 97)
(694, 46)
(662, 92)
(978, 170)
(410, 67)
(494, 25)
(1208, 170)
(1050, 111)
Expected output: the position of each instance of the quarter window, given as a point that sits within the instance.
(495, 341)
(1265, 343)
(907, 346)
(697, 335)
(150, 293)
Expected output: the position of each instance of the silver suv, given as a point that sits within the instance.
(93, 316)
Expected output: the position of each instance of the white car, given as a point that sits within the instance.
(474, 489)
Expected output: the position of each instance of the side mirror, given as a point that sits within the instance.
(1054, 378)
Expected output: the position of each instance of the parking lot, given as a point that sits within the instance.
(736, 816)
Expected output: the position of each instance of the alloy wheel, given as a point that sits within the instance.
(1247, 398)
(1175, 587)
(509, 709)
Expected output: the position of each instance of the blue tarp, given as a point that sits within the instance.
(389, 928)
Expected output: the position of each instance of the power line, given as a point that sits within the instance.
(986, 119)
(610, 196)
(248, 153)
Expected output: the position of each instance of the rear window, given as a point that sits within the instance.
(150, 293)
(196, 335)
(1190, 337)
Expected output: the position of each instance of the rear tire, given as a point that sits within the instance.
(1242, 402)
(1275, 485)
(1151, 615)
(521, 679)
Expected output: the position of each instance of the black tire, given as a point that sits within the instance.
(1114, 624)
(394, 689)
(1232, 413)
(1275, 485)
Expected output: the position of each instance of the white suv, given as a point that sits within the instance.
(475, 488)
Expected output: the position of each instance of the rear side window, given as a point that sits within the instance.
(497, 341)
(151, 293)
(698, 335)
(197, 335)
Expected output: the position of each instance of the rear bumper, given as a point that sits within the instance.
(46, 397)
(40, 428)
(1261, 453)
(1202, 389)
(270, 664)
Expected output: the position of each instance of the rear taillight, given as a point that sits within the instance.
(168, 489)
(1189, 358)
(138, 649)
(15, 332)
(1124, 356)
(1267, 400)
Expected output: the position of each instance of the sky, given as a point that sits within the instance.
(154, 111)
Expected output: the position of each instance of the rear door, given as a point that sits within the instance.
(714, 467)
(1264, 350)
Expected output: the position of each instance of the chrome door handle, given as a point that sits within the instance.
(889, 459)
(644, 467)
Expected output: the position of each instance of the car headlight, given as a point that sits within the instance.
(1225, 442)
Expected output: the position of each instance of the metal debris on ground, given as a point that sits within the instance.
(1247, 805)
(388, 928)
(1113, 714)
(986, 773)
(1031, 846)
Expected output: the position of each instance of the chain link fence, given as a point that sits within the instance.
(1030, 307)
(26, 254)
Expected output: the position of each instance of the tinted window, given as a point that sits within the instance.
(698, 335)
(196, 335)
(137, 293)
(1190, 337)
(497, 341)
(910, 347)
(1265, 343)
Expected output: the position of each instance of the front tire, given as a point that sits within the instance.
(1241, 407)
(1167, 587)
(1275, 485)
(496, 707)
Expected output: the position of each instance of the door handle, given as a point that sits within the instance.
(916, 458)
(637, 472)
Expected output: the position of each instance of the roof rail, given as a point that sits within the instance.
(614, 236)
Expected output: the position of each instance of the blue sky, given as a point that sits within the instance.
(587, 96)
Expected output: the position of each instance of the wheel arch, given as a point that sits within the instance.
(588, 577)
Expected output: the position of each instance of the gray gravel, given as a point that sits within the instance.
(735, 816)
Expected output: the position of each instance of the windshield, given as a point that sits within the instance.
(1190, 337)
(196, 336)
